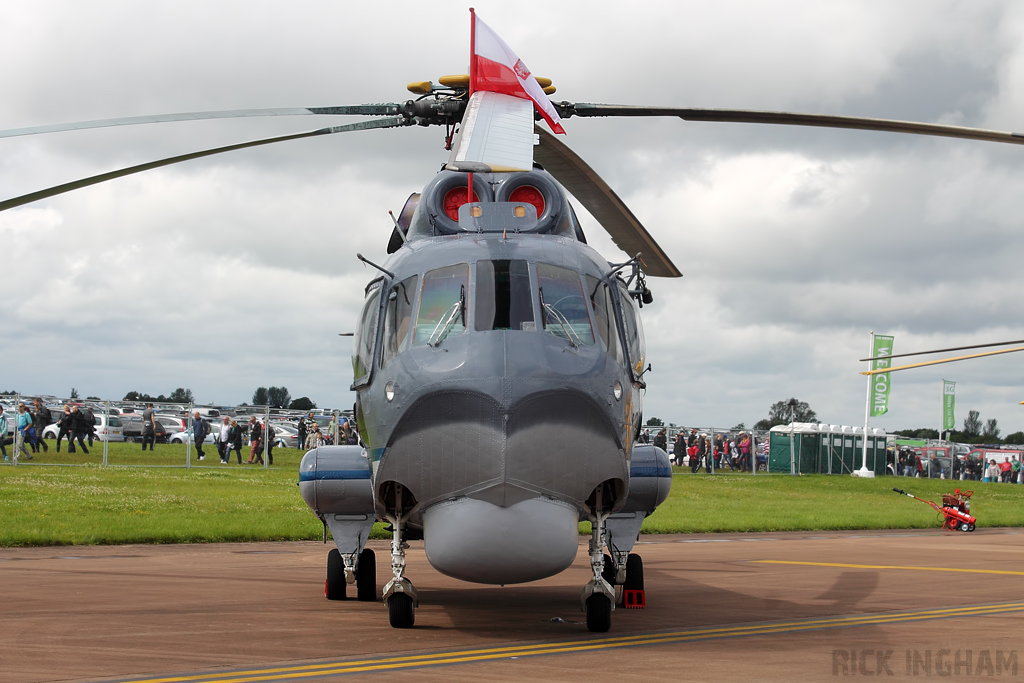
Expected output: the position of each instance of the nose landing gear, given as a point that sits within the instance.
(399, 594)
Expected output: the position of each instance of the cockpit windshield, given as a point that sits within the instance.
(563, 305)
(442, 304)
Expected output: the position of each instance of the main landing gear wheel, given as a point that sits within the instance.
(402, 612)
(366, 577)
(599, 613)
(334, 587)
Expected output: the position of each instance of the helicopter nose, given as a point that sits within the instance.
(476, 541)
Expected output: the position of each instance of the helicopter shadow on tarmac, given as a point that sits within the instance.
(678, 597)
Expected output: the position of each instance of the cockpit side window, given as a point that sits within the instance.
(563, 306)
(442, 304)
(632, 330)
(604, 317)
(504, 300)
(365, 339)
(398, 319)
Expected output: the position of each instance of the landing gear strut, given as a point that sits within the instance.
(399, 593)
(598, 595)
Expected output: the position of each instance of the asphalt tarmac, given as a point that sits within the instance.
(720, 607)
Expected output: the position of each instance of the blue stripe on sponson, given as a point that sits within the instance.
(334, 474)
(653, 471)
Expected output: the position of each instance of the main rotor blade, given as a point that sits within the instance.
(392, 122)
(602, 202)
(793, 119)
(347, 110)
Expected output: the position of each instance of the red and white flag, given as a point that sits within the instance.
(496, 68)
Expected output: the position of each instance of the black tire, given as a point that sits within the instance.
(599, 613)
(965, 527)
(634, 573)
(608, 573)
(366, 576)
(970, 527)
(334, 588)
(401, 611)
(129, 439)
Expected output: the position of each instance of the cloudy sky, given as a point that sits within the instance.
(239, 270)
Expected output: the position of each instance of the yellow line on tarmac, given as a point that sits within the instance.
(337, 668)
(886, 566)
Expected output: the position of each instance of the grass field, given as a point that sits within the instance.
(42, 505)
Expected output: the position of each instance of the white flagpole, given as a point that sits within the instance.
(864, 471)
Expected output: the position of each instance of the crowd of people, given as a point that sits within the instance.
(229, 436)
(697, 449)
(79, 423)
(911, 464)
(72, 424)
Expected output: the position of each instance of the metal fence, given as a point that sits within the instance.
(93, 447)
(719, 455)
(116, 409)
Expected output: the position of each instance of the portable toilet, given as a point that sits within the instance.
(830, 460)
(806, 439)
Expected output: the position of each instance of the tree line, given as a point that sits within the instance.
(792, 410)
(280, 397)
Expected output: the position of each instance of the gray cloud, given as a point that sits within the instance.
(239, 270)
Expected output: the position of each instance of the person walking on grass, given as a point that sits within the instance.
(271, 435)
(64, 429)
(224, 442)
(24, 424)
(314, 439)
(40, 421)
(200, 428)
(302, 432)
(3, 433)
(235, 441)
(90, 419)
(148, 427)
(80, 428)
(255, 441)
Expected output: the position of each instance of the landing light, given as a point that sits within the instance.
(528, 194)
(389, 391)
(616, 390)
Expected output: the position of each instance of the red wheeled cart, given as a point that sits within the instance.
(955, 509)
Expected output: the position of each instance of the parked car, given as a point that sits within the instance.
(131, 428)
(172, 424)
(104, 431)
(185, 436)
(287, 436)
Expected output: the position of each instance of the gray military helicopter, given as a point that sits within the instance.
(499, 361)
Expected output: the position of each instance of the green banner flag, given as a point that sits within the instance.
(948, 404)
(880, 383)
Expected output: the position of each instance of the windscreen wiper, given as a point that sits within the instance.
(448, 319)
(570, 334)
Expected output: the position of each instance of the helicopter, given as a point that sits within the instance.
(499, 361)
